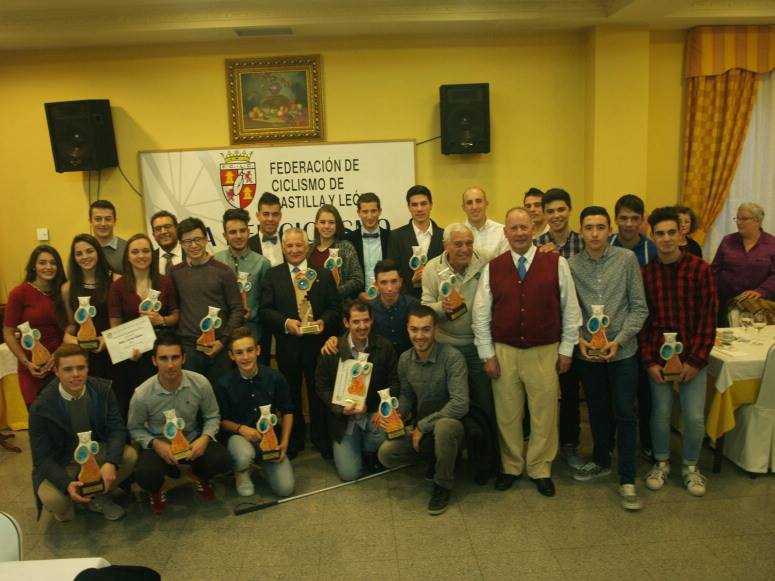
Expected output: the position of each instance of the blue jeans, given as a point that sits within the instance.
(692, 395)
(278, 474)
(612, 385)
(348, 453)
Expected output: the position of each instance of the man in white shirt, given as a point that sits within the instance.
(370, 240)
(164, 227)
(526, 322)
(267, 240)
(488, 234)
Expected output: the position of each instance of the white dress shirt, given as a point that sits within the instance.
(489, 239)
(177, 257)
(372, 253)
(423, 238)
(569, 305)
(272, 250)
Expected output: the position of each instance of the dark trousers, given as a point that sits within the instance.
(318, 411)
(213, 368)
(607, 385)
(644, 407)
(266, 348)
(130, 374)
(570, 420)
(151, 469)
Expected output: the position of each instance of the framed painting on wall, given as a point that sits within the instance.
(275, 99)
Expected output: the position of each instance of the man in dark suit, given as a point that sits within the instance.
(297, 352)
(267, 240)
(370, 240)
(420, 231)
(164, 227)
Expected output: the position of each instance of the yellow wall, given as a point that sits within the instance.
(175, 97)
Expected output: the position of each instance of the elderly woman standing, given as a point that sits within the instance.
(745, 260)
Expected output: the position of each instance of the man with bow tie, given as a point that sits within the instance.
(370, 240)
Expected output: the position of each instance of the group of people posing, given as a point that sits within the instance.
(496, 321)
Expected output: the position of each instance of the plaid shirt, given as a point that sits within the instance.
(573, 245)
(682, 299)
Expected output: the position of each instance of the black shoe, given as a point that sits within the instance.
(439, 500)
(327, 453)
(544, 485)
(430, 472)
(372, 464)
(505, 481)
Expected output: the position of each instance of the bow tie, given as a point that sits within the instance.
(367, 235)
(272, 239)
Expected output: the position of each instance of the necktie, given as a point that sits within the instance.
(367, 235)
(296, 269)
(168, 266)
(272, 239)
(521, 268)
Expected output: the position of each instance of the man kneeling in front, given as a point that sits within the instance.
(174, 410)
(75, 404)
(434, 395)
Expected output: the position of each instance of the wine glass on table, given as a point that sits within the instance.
(746, 322)
(759, 323)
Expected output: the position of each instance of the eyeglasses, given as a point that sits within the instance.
(189, 241)
(743, 219)
(163, 227)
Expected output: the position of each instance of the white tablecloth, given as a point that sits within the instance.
(7, 361)
(741, 360)
(50, 569)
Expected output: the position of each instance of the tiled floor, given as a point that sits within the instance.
(379, 530)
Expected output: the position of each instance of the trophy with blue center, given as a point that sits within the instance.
(30, 340)
(596, 325)
(87, 332)
(417, 261)
(303, 282)
(448, 290)
(334, 263)
(151, 303)
(388, 409)
(208, 325)
(270, 446)
(245, 286)
(669, 352)
(173, 431)
(85, 454)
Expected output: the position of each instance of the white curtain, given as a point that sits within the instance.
(755, 177)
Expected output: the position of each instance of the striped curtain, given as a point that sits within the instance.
(722, 64)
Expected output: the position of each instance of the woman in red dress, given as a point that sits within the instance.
(90, 276)
(141, 274)
(36, 301)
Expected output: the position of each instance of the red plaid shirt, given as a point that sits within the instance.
(682, 299)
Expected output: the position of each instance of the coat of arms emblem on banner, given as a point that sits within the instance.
(238, 178)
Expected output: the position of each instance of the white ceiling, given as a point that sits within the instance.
(45, 24)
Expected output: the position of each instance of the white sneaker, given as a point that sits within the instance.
(570, 453)
(591, 470)
(630, 498)
(244, 483)
(104, 504)
(657, 476)
(694, 481)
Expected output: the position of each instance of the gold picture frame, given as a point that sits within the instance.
(275, 99)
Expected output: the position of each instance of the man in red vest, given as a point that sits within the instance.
(526, 321)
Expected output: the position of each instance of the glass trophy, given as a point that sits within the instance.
(417, 261)
(334, 263)
(208, 325)
(266, 422)
(245, 286)
(359, 380)
(388, 409)
(669, 352)
(596, 326)
(151, 303)
(85, 454)
(372, 292)
(87, 333)
(302, 284)
(448, 290)
(30, 340)
(173, 431)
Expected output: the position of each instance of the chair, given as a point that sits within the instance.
(10, 538)
(751, 445)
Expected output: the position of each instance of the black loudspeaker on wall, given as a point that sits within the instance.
(465, 118)
(81, 134)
